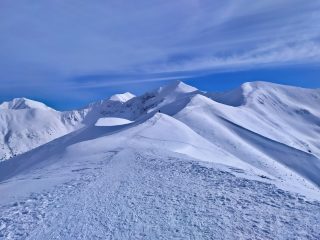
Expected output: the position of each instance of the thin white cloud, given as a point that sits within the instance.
(110, 83)
(50, 43)
(266, 56)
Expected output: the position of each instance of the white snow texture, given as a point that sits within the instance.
(173, 163)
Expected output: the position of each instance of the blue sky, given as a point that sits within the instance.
(69, 53)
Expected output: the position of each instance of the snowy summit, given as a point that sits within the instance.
(23, 103)
(124, 97)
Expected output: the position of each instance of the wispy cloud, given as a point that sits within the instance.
(265, 56)
(106, 82)
(51, 43)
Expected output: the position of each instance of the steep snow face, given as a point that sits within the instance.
(289, 115)
(269, 94)
(175, 88)
(26, 124)
(25, 129)
(23, 103)
(164, 132)
(168, 99)
(124, 97)
(276, 160)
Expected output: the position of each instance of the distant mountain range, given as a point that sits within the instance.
(263, 132)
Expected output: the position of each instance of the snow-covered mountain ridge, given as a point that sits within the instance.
(26, 124)
(23, 103)
(262, 137)
(33, 123)
(239, 122)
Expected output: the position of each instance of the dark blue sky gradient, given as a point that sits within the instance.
(308, 77)
(69, 53)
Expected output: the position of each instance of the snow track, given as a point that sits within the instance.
(141, 195)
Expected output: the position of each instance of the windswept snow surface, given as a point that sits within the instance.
(23, 103)
(124, 97)
(174, 163)
(109, 121)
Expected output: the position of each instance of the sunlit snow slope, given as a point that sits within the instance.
(26, 124)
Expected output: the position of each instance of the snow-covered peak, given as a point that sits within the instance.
(238, 96)
(272, 95)
(124, 97)
(176, 87)
(261, 93)
(23, 103)
(168, 98)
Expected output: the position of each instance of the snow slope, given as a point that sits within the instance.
(109, 121)
(23, 103)
(283, 113)
(237, 165)
(24, 129)
(26, 124)
(276, 159)
(124, 97)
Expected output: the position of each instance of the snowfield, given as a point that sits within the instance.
(111, 122)
(174, 163)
